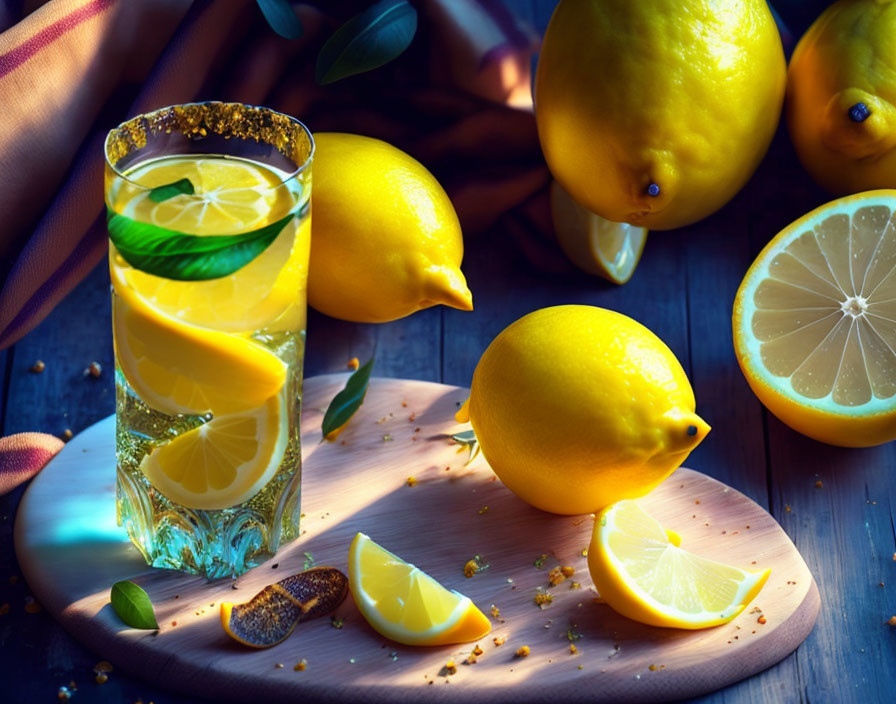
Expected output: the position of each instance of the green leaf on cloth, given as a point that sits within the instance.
(367, 41)
(169, 190)
(347, 401)
(281, 17)
(133, 606)
(175, 255)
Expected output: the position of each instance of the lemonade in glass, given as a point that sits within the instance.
(208, 210)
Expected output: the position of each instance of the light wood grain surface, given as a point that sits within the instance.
(71, 552)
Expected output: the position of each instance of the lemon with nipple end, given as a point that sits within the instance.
(576, 407)
(841, 97)
(657, 112)
(386, 241)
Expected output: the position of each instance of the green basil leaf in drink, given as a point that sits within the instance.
(347, 401)
(282, 18)
(133, 606)
(367, 41)
(169, 190)
(175, 255)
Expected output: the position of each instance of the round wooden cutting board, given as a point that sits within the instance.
(72, 551)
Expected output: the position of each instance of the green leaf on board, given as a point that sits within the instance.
(347, 401)
(282, 18)
(367, 41)
(175, 255)
(467, 438)
(169, 190)
(133, 606)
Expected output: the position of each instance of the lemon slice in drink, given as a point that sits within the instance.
(594, 244)
(405, 604)
(641, 573)
(815, 322)
(231, 196)
(223, 462)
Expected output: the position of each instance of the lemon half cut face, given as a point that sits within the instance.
(815, 322)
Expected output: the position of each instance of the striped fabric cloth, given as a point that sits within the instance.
(458, 99)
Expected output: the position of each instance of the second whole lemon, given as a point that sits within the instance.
(576, 407)
(657, 112)
(841, 97)
(386, 240)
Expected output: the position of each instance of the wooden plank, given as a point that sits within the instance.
(719, 251)
(76, 333)
(409, 347)
(36, 655)
(493, 261)
(845, 525)
(72, 550)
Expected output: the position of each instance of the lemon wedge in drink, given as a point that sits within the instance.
(223, 462)
(175, 367)
(405, 604)
(640, 571)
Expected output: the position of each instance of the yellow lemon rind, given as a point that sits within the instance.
(622, 593)
(225, 497)
(585, 239)
(465, 624)
(257, 372)
(821, 419)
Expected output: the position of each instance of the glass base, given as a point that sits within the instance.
(214, 544)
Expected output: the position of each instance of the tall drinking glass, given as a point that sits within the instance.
(208, 208)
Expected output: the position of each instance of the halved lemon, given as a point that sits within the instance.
(175, 367)
(405, 604)
(594, 244)
(223, 462)
(645, 576)
(231, 196)
(815, 322)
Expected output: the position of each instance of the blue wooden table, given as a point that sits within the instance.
(838, 505)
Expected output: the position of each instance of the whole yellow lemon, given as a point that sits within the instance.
(385, 238)
(576, 407)
(656, 112)
(841, 97)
